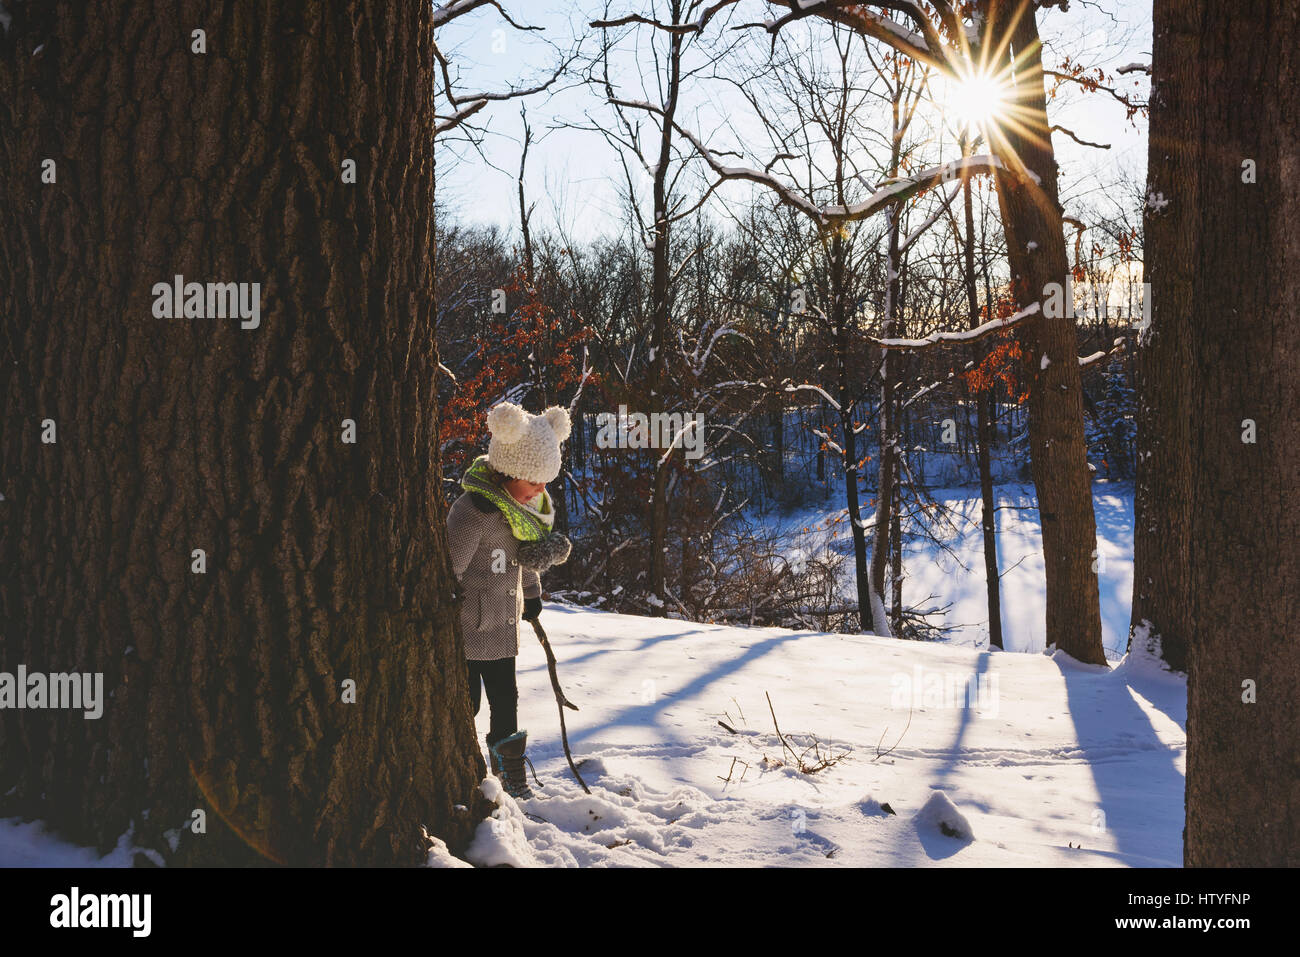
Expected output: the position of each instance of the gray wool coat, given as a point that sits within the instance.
(485, 559)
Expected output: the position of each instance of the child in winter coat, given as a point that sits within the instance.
(501, 539)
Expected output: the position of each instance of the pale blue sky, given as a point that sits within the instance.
(573, 175)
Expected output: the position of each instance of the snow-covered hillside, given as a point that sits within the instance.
(1055, 763)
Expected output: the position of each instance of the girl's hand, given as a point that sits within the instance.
(532, 608)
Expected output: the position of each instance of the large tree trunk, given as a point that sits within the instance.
(325, 561)
(1162, 506)
(1031, 216)
(1224, 247)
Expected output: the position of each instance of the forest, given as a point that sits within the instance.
(862, 403)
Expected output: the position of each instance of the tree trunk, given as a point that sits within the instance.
(325, 561)
(1162, 502)
(659, 333)
(1031, 216)
(887, 474)
(896, 559)
(988, 517)
(861, 576)
(1221, 228)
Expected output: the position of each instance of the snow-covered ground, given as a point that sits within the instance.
(935, 577)
(984, 758)
(1020, 561)
(1056, 763)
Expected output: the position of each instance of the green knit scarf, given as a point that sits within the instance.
(527, 524)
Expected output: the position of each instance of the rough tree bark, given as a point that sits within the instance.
(1222, 245)
(1031, 217)
(1161, 610)
(326, 561)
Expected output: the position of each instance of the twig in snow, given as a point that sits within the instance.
(880, 754)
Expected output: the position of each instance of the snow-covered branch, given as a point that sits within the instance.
(458, 8)
(925, 47)
(819, 390)
(966, 335)
(457, 118)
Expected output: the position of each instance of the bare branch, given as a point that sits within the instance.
(1070, 133)
(678, 28)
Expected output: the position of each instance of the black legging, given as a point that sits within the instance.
(502, 694)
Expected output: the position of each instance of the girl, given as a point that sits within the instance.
(500, 537)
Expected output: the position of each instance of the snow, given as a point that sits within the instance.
(1072, 755)
(1072, 764)
(29, 844)
(440, 856)
(965, 335)
(940, 817)
(1051, 763)
(450, 11)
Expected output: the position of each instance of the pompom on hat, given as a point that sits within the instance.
(525, 446)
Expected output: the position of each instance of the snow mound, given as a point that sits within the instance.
(940, 814)
(870, 807)
(440, 856)
(1146, 657)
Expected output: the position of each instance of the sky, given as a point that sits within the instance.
(573, 175)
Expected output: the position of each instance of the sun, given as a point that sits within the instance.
(976, 100)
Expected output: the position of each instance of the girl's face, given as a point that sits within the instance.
(523, 492)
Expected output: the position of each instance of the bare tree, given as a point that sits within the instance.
(1002, 39)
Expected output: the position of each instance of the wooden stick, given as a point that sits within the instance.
(560, 700)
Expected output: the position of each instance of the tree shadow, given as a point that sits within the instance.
(1139, 786)
(647, 713)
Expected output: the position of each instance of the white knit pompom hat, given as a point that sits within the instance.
(526, 446)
